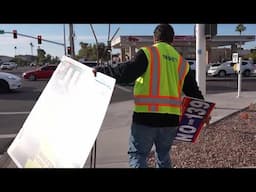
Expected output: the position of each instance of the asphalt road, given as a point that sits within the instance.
(15, 106)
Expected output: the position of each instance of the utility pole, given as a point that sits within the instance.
(200, 57)
(97, 43)
(71, 40)
(64, 33)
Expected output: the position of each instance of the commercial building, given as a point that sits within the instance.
(217, 48)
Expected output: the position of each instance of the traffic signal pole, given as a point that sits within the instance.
(29, 36)
(64, 34)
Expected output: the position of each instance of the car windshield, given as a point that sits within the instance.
(215, 65)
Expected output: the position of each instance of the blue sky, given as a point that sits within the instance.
(55, 32)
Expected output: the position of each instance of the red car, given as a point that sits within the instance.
(44, 72)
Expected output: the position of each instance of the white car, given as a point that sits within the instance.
(192, 64)
(227, 68)
(221, 69)
(9, 82)
(8, 65)
(247, 68)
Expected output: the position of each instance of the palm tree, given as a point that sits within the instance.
(240, 28)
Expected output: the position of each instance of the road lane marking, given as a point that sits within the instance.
(15, 113)
(7, 136)
(124, 89)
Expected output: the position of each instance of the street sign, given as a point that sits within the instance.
(235, 57)
(1, 31)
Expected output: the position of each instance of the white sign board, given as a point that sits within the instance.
(235, 57)
(64, 123)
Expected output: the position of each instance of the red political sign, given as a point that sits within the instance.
(194, 113)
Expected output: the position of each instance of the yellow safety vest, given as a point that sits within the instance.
(159, 89)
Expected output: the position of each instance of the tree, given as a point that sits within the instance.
(40, 56)
(253, 55)
(48, 58)
(103, 52)
(89, 51)
(240, 28)
(55, 60)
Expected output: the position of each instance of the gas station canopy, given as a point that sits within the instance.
(182, 41)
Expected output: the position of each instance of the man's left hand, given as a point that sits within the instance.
(207, 121)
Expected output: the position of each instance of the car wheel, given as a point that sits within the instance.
(222, 73)
(4, 86)
(32, 77)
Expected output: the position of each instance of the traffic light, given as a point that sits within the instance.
(69, 50)
(39, 39)
(14, 32)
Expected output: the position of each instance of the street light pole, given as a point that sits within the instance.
(31, 45)
(15, 48)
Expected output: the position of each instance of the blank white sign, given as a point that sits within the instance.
(65, 121)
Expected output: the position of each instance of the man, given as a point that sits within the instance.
(161, 76)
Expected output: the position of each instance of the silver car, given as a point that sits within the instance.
(8, 65)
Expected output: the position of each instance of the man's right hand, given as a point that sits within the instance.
(94, 70)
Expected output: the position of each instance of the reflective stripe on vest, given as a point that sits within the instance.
(154, 100)
(182, 73)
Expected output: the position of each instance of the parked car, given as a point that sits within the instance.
(9, 82)
(44, 72)
(221, 69)
(227, 68)
(8, 65)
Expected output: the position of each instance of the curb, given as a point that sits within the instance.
(233, 113)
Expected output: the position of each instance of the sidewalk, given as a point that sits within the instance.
(113, 138)
(228, 103)
(112, 141)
